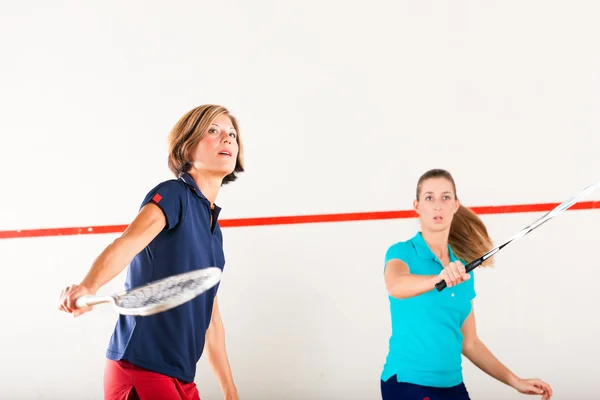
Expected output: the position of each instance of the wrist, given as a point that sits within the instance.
(89, 287)
(230, 391)
(228, 386)
(512, 380)
(434, 280)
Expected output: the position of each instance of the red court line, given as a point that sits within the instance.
(298, 219)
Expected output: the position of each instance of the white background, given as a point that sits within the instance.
(342, 106)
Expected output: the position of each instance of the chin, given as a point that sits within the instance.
(224, 169)
(219, 173)
(438, 227)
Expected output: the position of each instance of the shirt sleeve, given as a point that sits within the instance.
(395, 251)
(169, 197)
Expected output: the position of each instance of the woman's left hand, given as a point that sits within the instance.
(533, 386)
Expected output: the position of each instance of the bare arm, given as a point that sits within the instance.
(115, 257)
(148, 223)
(401, 284)
(482, 358)
(217, 353)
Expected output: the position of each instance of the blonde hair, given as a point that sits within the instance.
(468, 237)
(189, 130)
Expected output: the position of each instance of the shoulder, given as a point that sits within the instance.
(173, 186)
(166, 192)
(398, 250)
(169, 196)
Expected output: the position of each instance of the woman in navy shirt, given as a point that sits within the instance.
(175, 231)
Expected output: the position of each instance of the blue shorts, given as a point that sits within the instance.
(394, 390)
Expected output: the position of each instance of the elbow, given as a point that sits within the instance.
(215, 338)
(125, 248)
(398, 293)
(215, 330)
(120, 245)
(404, 288)
(469, 345)
(393, 290)
(396, 288)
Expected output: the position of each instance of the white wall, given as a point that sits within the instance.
(342, 107)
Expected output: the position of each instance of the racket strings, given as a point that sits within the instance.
(162, 292)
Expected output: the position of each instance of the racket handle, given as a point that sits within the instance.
(89, 300)
(469, 267)
(473, 264)
(82, 301)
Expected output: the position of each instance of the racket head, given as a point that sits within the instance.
(565, 205)
(570, 202)
(167, 293)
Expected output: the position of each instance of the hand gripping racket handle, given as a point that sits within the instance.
(89, 300)
(469, 267)
(82, 301)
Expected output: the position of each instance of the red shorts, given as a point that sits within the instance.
(125, 381)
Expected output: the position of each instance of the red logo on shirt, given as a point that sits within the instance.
(157, 197)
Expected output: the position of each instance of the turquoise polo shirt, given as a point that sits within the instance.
(425, 347)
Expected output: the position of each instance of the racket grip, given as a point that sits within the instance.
(82, 301)
(473, 264)
(468, 268)
(440, 285)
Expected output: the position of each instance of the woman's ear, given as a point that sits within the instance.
(457, 205)
(416, 207)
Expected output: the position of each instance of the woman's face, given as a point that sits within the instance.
(437, 204)
(217, 151)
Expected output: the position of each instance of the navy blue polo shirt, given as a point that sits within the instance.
(172, 342)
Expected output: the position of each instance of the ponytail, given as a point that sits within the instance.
(469, 237)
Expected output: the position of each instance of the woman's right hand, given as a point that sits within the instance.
(69, 294)
(454, 274)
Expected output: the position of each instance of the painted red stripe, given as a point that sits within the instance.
(299, 219)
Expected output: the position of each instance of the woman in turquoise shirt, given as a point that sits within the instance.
(431, 329)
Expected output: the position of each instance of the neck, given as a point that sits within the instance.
(208, 184)
(437, 242)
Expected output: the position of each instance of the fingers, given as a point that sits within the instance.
(535, 389)
(69, 301)
(461, 270)
(68, 297)
(451, 274)
(546, 396)
(536, 386)
(531, 389)
(545, 388)
(80, 311)
(71, 298)
(62, 300)
(455, 273)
